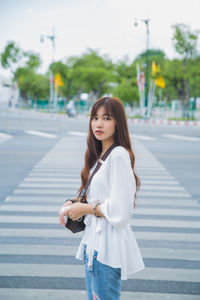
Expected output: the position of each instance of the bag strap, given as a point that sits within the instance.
(99, 164)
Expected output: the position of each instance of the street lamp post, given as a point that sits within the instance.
(146, 21)
(52, 92)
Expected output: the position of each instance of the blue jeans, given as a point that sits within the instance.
(102, 282)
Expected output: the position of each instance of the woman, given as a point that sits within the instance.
(108, 246)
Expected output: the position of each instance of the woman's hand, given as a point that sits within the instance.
(62, 214)
(77, 210)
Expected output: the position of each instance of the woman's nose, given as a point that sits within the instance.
(99, 123)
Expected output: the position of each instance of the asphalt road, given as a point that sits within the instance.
(36, 256)
(181, 158)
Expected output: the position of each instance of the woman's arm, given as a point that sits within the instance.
(77, 210)
(118, 207)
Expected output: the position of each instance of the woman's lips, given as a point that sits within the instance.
(98, 132)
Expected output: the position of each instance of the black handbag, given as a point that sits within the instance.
(79, 225)
(75, 226)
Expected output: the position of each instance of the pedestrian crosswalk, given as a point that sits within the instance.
(37, 254)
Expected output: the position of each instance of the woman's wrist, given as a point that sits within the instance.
(89, 209)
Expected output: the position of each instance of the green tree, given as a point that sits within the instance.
(91, 73)
(88, 73)
(126, 91)
(185, 44)
(11, 56)
(126, 82)
(156, 55)
(32, 85)
(33, 60)
(194, 76)
(24, 66)
(185, 40)
(175, 79)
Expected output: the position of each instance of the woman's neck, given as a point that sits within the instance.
(105, 146)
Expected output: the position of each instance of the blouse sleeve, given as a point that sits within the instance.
(117, 209)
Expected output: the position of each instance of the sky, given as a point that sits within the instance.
(103, 25)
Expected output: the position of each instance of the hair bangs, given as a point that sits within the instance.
(107, 106)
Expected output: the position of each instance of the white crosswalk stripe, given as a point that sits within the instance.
(45, 294)
(5, 137)
(166, 223)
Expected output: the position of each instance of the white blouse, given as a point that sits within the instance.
(113, 186)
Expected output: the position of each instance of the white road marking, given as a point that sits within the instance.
(50, 294)
(4, 137)
(140, 210)
(70, 250)
(142, 137)
(148, 194)
(162, 182)
(57, 270)
(72, 180)
(78, 133)
(181, 137)
(63, 233)
(157, 188)
(43, 134)
(43, 233)
(58, 200)
(51, 185)
(36, 200)
(134, 222)
(35, 191)
(154, 177)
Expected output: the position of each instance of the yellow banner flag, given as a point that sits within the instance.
(160, 82)
(58, 81)
(154, 68)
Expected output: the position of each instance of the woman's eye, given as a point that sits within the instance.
(105, 118)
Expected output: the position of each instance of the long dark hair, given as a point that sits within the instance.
(114, 107)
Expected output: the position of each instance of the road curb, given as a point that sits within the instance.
(165, 122)
(131, 121)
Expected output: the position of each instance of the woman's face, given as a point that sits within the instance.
(103, 126)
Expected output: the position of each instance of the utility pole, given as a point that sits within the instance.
(52, 91)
